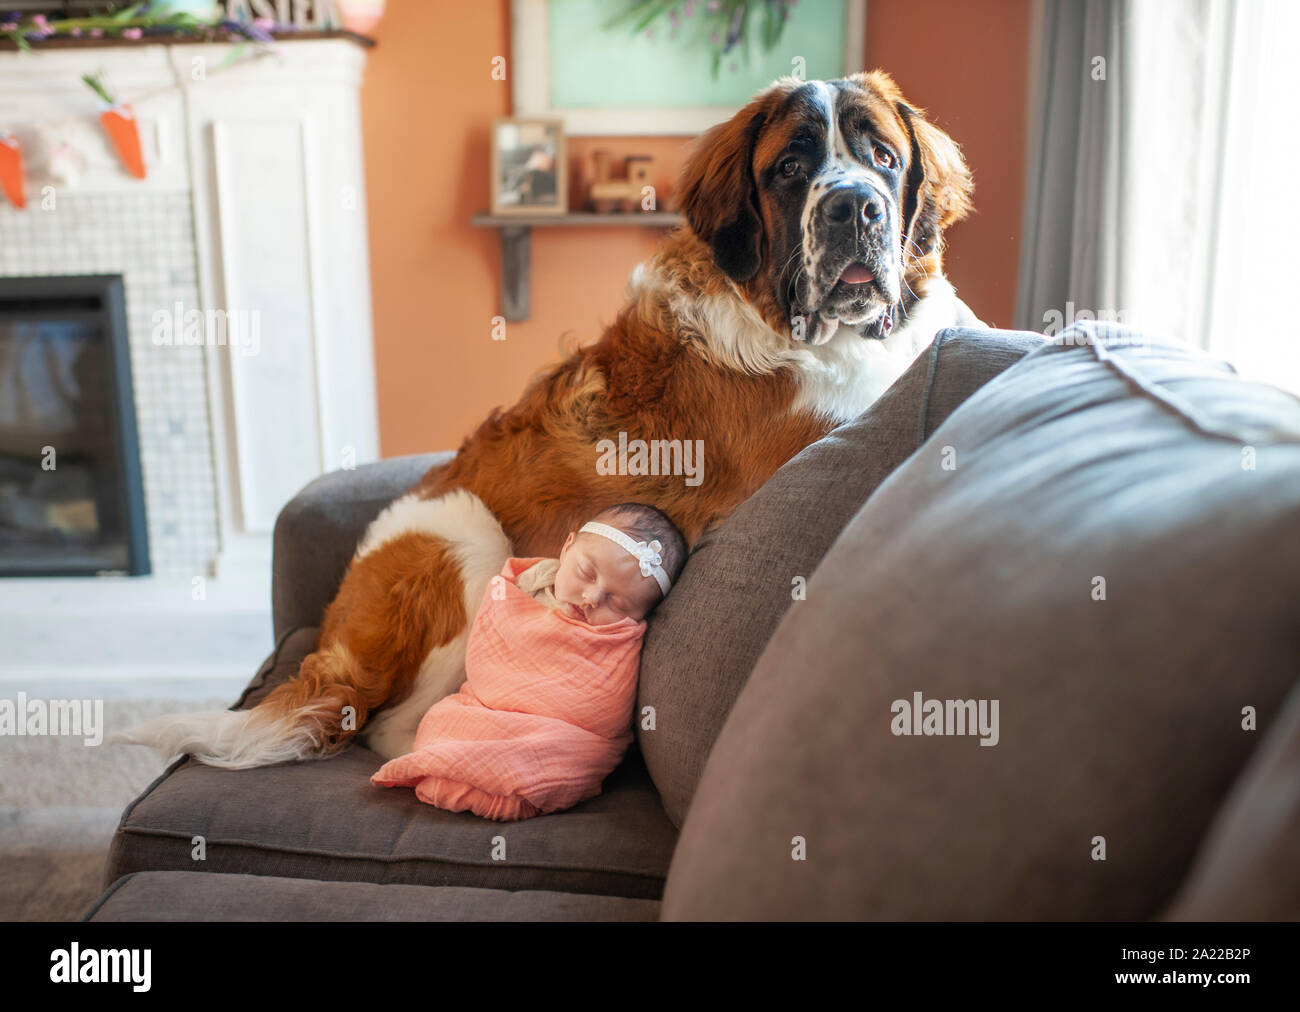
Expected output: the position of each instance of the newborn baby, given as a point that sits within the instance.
(545, 713)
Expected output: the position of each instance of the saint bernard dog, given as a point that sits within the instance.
(806, 278)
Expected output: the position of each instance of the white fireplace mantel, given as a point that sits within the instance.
(269, 152)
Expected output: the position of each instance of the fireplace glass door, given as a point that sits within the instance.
(71, 496)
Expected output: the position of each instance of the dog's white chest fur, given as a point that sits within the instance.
(838, 379)
(844, 376)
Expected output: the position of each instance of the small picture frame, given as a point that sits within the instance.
(529, 166)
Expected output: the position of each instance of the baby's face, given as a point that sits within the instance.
(598, 582)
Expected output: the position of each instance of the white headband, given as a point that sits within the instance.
(647, 555)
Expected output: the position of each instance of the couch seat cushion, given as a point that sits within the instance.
(321, 819)
(190, 896)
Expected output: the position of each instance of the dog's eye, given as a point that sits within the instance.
(790, 168)
(881, 155)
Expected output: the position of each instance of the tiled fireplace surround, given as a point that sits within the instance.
(253, 202)
(148, 238)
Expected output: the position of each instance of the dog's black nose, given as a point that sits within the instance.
(849, 202)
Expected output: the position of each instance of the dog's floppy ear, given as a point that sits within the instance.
(719, 196)
(939, 185)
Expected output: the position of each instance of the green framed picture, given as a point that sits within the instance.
(623, 67)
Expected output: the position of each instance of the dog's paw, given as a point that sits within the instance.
(388, 740)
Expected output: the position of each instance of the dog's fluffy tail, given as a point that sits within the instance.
(312, 716)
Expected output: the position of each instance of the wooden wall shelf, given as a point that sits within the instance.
(516, 245)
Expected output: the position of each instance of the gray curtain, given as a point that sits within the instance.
(1070, 251)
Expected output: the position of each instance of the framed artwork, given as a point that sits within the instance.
(529, 171)
(569, 61)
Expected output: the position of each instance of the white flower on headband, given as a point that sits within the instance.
(648, 556)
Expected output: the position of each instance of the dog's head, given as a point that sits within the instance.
(827, 200)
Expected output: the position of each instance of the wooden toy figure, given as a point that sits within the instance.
(606, 194)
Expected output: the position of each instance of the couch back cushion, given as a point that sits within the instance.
(1105, 542)
(702, 642)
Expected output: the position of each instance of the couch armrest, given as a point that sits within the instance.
(318, 529)
(1246, 867)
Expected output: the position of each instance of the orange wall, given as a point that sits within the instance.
(966, 65)
(427, 102)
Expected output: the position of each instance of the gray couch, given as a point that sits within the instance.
(1101, 534)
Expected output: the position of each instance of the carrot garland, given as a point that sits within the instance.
(120, 124)
(11, 170)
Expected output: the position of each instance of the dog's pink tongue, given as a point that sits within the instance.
(856, 274)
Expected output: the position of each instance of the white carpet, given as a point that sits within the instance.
(61, 800)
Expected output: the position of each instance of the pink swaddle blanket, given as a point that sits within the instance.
(544, 716)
